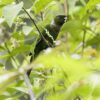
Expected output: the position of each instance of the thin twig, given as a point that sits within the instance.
(66, 7)
(11, 55)
(28, 83)
(82, 44)
(41, 13)
(83, 41)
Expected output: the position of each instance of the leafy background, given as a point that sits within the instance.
(70, 71)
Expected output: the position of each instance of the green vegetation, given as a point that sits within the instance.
(70, 70)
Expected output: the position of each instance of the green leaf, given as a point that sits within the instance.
(22, 89)
(74, 27)
(92, 3)
(4, 2)
(40, 5)
(7, 79)
(71, 4)
(20, 50)
(11, 11)
(27, 3)
(27, 29)
(1, 6)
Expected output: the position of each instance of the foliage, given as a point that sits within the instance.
(70, 71)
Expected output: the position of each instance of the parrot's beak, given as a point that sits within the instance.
(65, 19)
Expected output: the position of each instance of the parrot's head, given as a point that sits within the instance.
(60, 20)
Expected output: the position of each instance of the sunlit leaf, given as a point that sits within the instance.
(92, 4)
(7, 79)
(27, 30)
(40, 5)
(11, 11)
